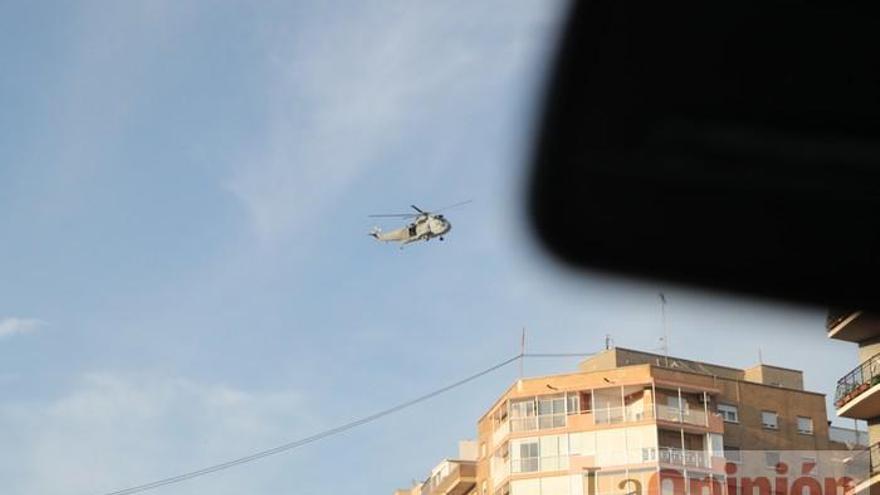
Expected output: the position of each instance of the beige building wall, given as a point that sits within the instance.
(630, 413)
(776, 376)
(694, 386)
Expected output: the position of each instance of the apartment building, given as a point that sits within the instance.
(451, 476)
(858, 392)
(636, 422)
(848, 438)
(631, 422)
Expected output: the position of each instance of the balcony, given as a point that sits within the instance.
(537, 464)
(628, 414)
(851, 325)
(499, 469)
(864, 467)
(676, 415)
(628, 457)
(681, 457)
(500, 433)
(578, 420)
(459, 480)
(858, 393)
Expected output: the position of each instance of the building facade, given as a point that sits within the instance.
(628, 416)
(631, 423)
(451, 476)
(858, 392)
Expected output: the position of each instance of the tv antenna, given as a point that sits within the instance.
(665, 337)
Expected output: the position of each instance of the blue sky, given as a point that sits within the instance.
(186, 275)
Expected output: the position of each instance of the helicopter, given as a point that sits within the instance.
(425, 226)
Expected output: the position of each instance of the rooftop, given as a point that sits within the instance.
(765, 374)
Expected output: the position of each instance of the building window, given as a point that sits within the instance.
(677, 403)
(770, 420)
(805, 425)
(499, 417)
(544, 453)
(729, 413)
(551, 412)
(538, 413)
(732, 454)
(503, 453)
(529, 458)
(523, 415)
(772, 459)
(573, 403)
(716, 445)
(482, 449)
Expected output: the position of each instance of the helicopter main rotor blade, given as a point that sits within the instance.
(421, 212)
(395, 215)
(454, 206)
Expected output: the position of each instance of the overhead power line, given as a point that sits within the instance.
(310, 439)
(558, 354)
(333, 431)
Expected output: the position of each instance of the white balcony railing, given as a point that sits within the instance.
(610, 415)
(625, 457)
(672, 455)
(500, 432)
(600, 415)
(674, 414)
(500, 469)
(536, 464)
(539, 422)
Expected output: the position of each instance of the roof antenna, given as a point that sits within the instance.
(522, 352)
(760, 356)
(665, 337)
(609, 342)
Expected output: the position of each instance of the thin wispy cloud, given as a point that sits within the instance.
(10, 326)
(190, 181)
(111, 430)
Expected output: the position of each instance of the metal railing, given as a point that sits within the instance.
(600, 415)
(857, 381)
(869, 458)
(538, 422)
(604, 415)
(690, 416)
(672, 455)
(628, 414)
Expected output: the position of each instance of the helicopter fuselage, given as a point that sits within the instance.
(423, 228)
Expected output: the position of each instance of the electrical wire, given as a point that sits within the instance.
(558, 354)
(310, 439)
